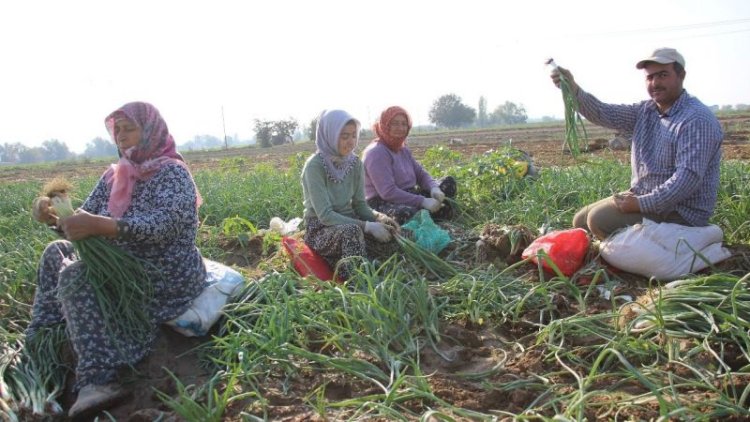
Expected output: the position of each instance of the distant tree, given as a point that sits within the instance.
(263, 132)
(55, 150)
(449, 111)
(100, 147)
(482, 113)
(270, 132)
(300, 134)
(283, 131)
(312, 130)
(201, 142)
(31, 155)
(509, 114)
(11, 152)
(742, 107)
(727, 107)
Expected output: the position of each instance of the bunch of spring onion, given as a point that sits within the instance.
(713, 305)
(32, 375)
(576, 139)
(431, 262)
(123, 288)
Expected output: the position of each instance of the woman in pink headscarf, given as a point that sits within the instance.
(395, 183)
(147, 204)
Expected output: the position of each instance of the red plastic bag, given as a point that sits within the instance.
(566, 248)
(305, 260)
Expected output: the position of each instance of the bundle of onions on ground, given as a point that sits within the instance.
(431, 262)
(576, 139)
(714, 305)
(32, 375)
(124, 289)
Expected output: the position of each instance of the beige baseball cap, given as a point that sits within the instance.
(662, 55)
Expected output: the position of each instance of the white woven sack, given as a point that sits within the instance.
(665, 251)
(223, 283)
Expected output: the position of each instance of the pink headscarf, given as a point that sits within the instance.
(383, 131)
(155, 150)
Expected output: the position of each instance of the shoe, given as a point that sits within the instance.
(93, 398)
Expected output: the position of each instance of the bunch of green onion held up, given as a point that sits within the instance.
(123, 288)
(576, 139)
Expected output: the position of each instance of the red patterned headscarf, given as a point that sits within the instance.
(382, 130)
(155, 150)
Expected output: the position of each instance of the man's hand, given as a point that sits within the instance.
(561, 72)
(627, 202)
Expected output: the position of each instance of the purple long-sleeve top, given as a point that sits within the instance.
(388, 174)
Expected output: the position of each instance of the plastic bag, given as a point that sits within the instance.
(665, 251)
(427, 234)
(566, 248)
(284, 227)
(305, 260)
(205, 310)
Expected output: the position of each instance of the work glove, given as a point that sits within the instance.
(378, 230)
(391, 224)
(430, 204)
(437, 194)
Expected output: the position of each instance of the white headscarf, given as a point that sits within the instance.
(330, 124)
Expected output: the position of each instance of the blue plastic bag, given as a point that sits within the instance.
(427, 234)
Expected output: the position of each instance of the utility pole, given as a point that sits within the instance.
(223, 123)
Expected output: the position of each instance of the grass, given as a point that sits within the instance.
(371, 338)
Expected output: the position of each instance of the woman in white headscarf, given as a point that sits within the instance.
(338, 222)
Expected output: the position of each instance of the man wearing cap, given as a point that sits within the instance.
(675, 153)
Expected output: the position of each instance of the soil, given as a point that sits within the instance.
(473, 349)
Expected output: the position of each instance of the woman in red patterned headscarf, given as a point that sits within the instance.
(146, 204)
(395, 183)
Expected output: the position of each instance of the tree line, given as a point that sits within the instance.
(448, 111)
(53, 150)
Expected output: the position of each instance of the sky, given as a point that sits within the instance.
(212, 67)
